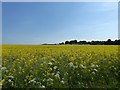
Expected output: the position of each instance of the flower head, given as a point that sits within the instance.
(50, 63)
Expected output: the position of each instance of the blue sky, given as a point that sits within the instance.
(54, 22)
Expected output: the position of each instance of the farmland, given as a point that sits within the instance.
(60, 66)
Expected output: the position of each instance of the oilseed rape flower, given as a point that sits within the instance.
(72, 59)
(60, 66)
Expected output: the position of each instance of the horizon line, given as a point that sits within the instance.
(54, 43)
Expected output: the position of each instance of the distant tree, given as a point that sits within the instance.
(115, 42)
(73, 42)
(102, 42)
(67, 42)
(61, 43)
(118, 42)
(92, 42)
(108, 42)
(89, 42)
(83, 42)
(79, 42)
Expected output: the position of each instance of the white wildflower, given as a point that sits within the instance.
(44, 58)
(10, 77)
(32, 81)
(49, 79)
(58, 72)
(92, 65)
(44, 79)
(95, 70)
(50, 63)
(52, 59)
(57, 76)
(3, 68)
(63, 78)
(83, 66)
(52, 73)
(6, 71)
(96, 65)
(62, 82)
(50, 68)
(42, 86)
(71, 64)
(38, 83)
(55, 67)
(9, 80)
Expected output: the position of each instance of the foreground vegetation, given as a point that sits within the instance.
(60, 66)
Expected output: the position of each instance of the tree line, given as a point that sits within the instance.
(108, 42)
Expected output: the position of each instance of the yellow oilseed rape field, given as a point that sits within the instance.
(60, 66)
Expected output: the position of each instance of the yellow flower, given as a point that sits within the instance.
(93, 73)
(71, 59)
